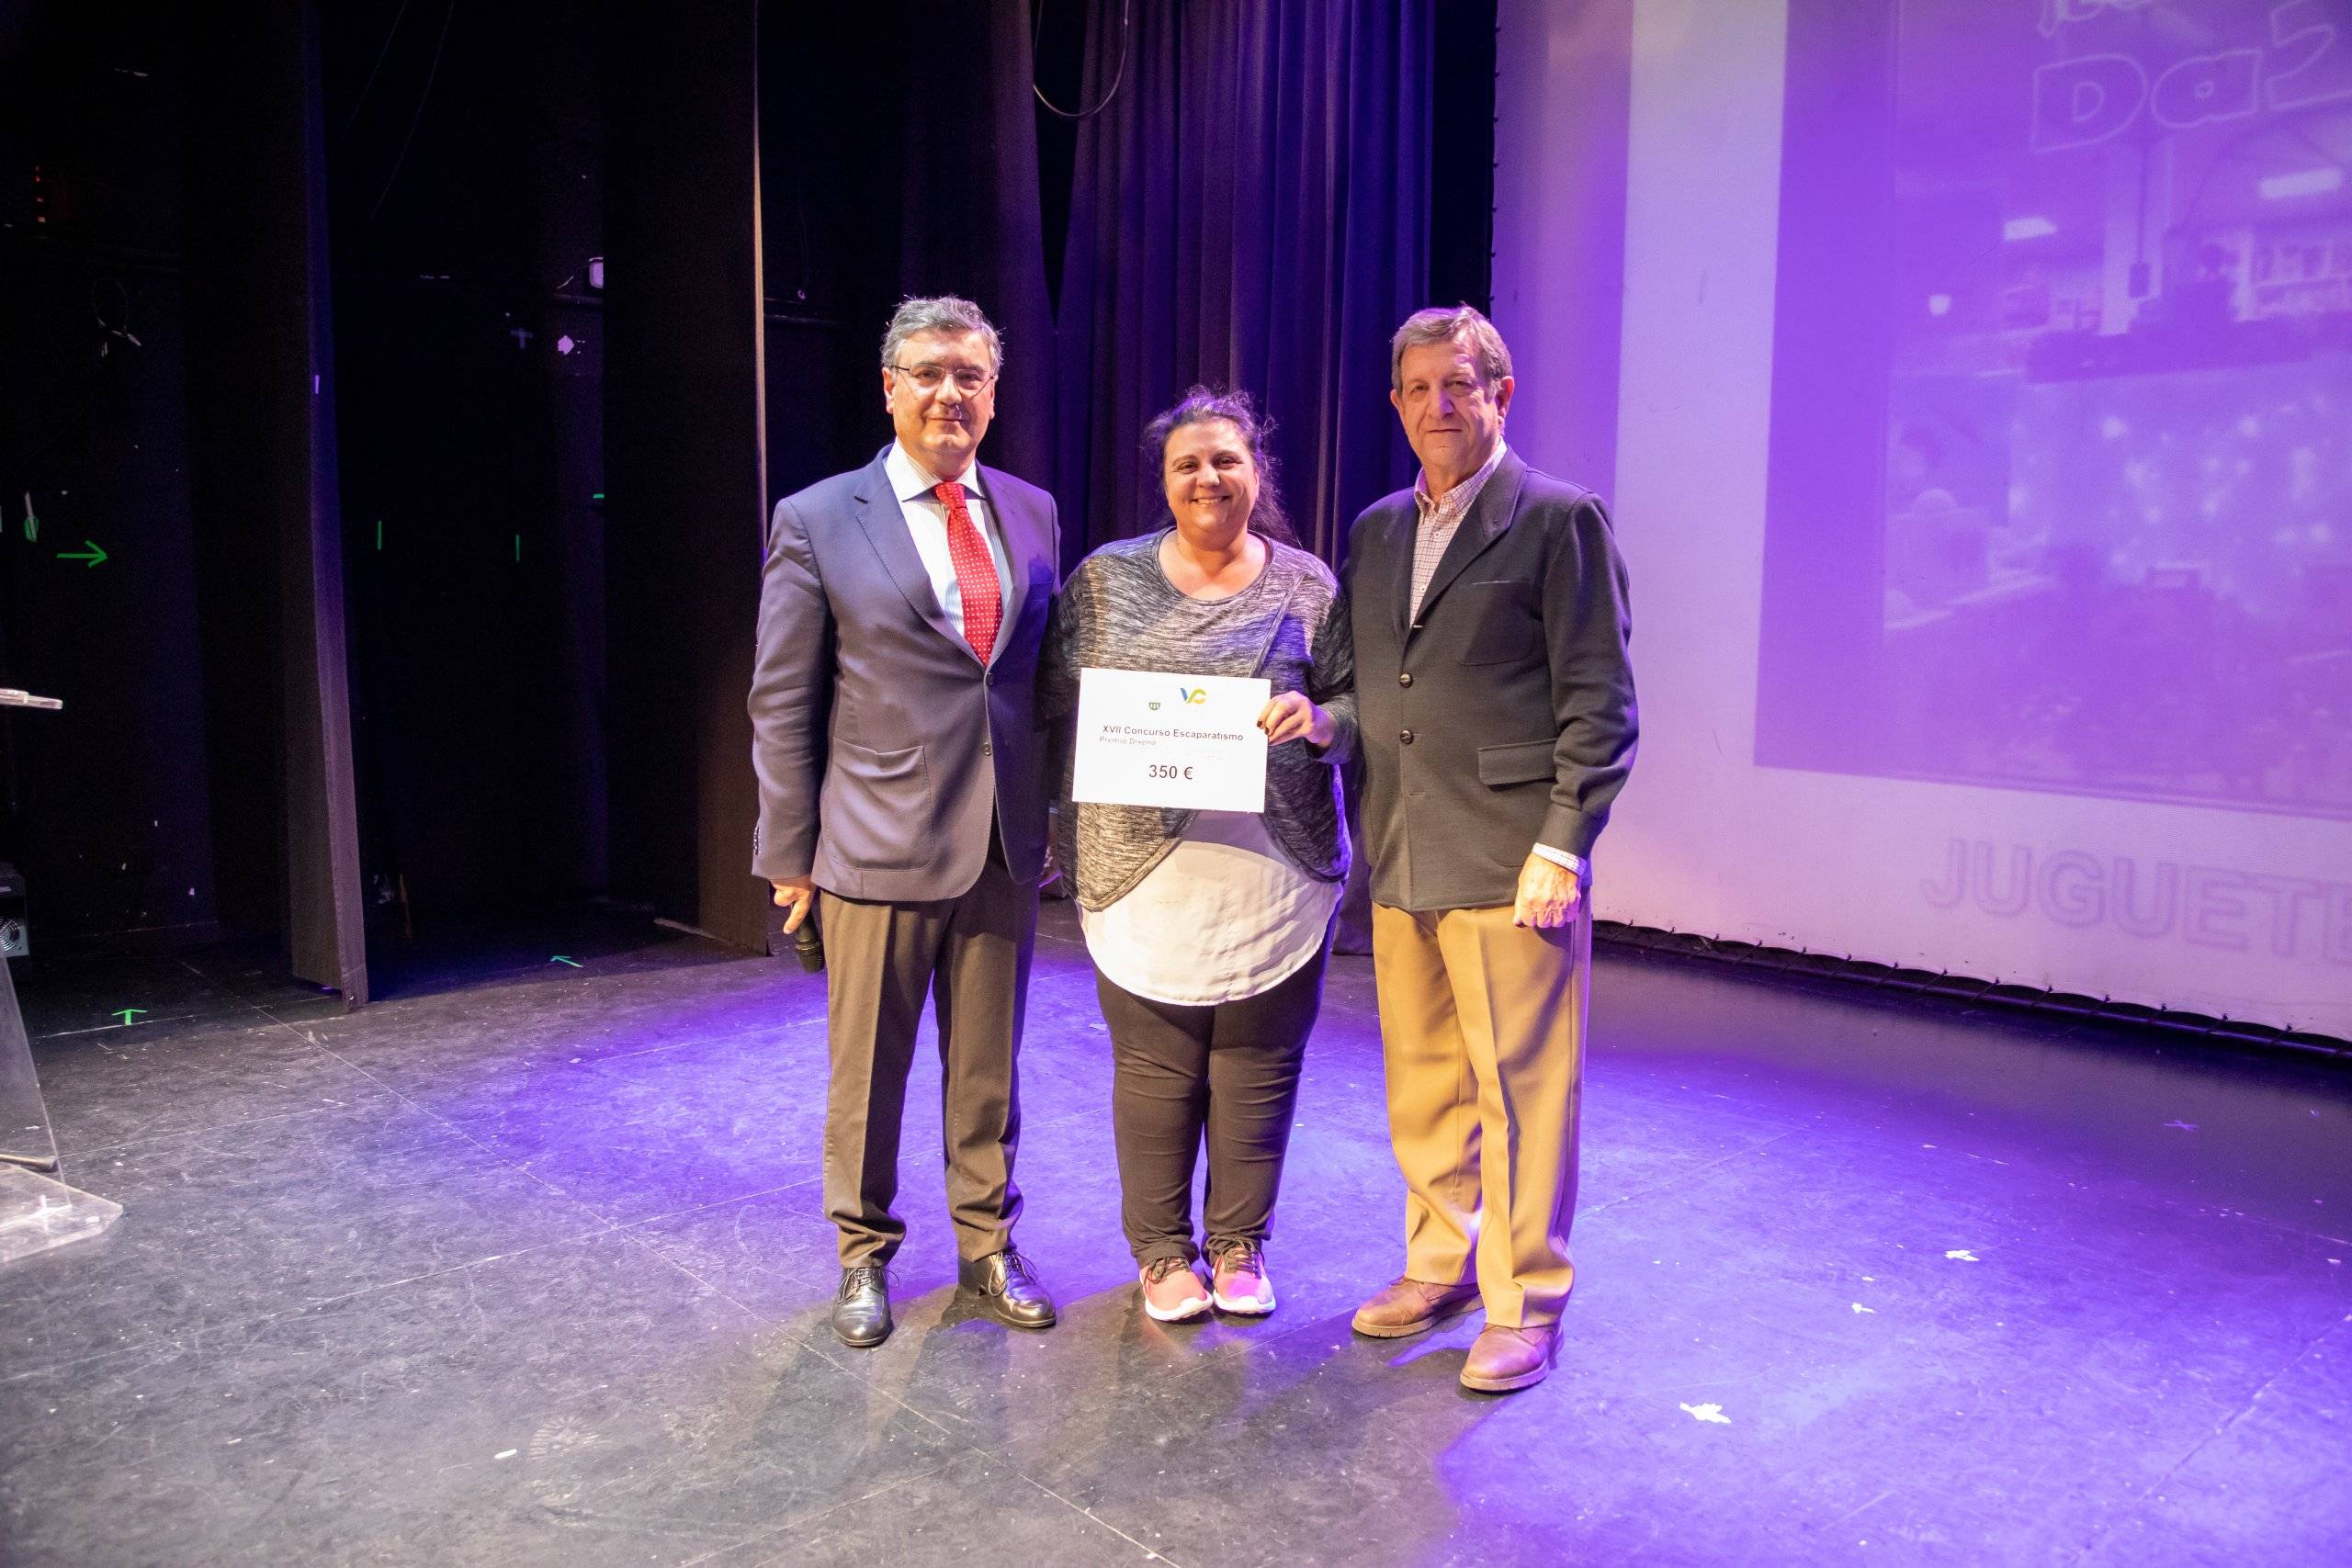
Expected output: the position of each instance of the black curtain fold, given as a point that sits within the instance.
(1250, 209)
(685, 458)
(971, 221)
(266, 508)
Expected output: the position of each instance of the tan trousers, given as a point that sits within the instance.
(970, 956)
(1482, 1027)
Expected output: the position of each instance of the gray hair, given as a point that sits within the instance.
(944, 313)
(1441, 326)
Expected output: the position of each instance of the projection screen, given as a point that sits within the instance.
(1972, 380)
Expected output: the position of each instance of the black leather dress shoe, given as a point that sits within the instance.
(1008, 1289)
(861, 1308)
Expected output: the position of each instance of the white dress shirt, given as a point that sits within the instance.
(926, 517)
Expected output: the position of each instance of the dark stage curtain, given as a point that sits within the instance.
(970, 219)
(261, 396)
(1249, 210)
(686, 461)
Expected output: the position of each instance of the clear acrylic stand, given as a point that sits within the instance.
(38, 1213)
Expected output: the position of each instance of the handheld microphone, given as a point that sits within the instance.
(809, 944)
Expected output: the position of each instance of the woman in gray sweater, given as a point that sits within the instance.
(1208, 929)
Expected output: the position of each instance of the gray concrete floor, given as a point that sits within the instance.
(525, 1265)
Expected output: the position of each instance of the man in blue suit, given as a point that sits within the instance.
(902, 795)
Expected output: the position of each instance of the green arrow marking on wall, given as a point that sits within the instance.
(126, 1014)
(89, 552)
(559, 958)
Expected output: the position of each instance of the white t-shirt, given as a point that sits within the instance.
(1226, 915)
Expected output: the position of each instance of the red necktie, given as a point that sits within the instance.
(975, 572)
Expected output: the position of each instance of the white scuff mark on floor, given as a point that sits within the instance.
(509, 1453)
(1961, 1255)
(2184, 1126)
(1861, 1508)
(1709, 1413)
(1860, 1307)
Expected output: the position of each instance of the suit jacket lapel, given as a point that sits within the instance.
(1397, 537)
(1014, 533)
(886, 530)
(1489, 515)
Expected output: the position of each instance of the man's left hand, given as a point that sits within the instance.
(1548, 895)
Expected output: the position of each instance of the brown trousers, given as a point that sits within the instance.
(1482, 1026)
(971, 954)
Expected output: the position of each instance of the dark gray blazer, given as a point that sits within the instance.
(1504, 717)
(885, 750)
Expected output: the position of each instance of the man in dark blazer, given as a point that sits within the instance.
(1489, 609)
(902, 795)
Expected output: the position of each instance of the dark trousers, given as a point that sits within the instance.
(881, 960)
(1226, 1075)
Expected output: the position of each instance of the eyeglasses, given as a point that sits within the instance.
(930, 378)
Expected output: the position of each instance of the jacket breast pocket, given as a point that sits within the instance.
(1507, 622)
(1018, 654)
(1037, 593)
(1524, 761)
(878, 806)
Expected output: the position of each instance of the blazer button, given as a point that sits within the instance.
(987, 749)
(1404, 677)
(1404, 737)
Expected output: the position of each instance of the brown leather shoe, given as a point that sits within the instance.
(1504, 1358)
(1404, 1307)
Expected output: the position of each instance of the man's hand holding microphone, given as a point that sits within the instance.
(797, 897)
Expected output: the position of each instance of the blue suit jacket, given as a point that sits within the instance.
(886, 750)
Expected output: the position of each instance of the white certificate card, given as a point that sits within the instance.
(1189, 741)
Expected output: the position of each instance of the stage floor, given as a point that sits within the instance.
(525, 1265)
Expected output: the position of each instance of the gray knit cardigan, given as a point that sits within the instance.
(1118, 611)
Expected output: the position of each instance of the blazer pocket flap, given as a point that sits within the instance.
(881, 767)
(1522, 763)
